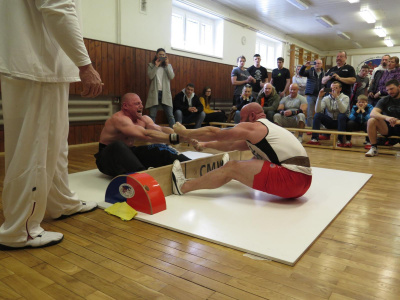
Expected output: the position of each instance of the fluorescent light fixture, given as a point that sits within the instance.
(343, 35)
(299, 4)
(380, 31)
(353, 1)
(325, 22)
(367, 14)
(357, 44)
(388, 41)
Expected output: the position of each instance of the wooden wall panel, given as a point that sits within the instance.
(122, 67)
(2, 139)
(97, 131)
(149, 57)
(117, 67)
(104, 67)
(84, 133)
(98, 56)
(110, 81)
(140, 75)
(130, 66)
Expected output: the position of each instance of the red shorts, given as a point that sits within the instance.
(279, 181)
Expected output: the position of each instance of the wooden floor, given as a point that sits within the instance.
(102, 257)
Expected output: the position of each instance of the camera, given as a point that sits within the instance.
(162, 58)
(312, 63)
(327, 90)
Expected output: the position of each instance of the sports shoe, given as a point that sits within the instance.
(300, 139)
(372, 152)
(388, 143)
(225, 159)
(348, 144)
(339, 144)
(324, 137)
(313, 142)
(85, 207)
(45, 239)
(367, 146)
(178, 179)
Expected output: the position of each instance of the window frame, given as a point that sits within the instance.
(188, 13)
(267, 61)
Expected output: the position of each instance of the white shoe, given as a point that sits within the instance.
(46, 238)
(300, 139)
(225, 159)
(178, 179)
(86, 206)
(372, 152)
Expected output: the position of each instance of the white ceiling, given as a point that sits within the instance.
(301, 24)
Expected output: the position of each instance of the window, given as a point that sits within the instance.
(177, 28)
(195, 30)
(269, 49)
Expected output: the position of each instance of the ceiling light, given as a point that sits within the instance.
(367, 14)
(343, 35)
(357, 44)
(388, 41)
(299, 4)
(380, 31)
(353, 1)
(325, 22)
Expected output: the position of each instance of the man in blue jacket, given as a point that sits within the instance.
(314, 78)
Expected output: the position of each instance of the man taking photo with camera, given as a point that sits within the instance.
(332, 111)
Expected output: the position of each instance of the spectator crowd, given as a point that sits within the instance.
(333, 99)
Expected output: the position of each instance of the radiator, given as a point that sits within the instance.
(83, 110)
(89, 110)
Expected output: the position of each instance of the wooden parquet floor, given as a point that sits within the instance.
(102, 257)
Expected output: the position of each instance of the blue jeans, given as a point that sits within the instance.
(236, 118)
(167, 110)
(198, 118)
(329, 123)
(311, 100)
(270, 115)
(355, 126)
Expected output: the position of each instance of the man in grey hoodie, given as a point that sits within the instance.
(188, 108)
(332, 111)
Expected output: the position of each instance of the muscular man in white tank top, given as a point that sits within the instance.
(280, 165)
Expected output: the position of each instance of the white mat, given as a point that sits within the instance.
(239, 217)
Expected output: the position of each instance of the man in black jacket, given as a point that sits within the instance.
(188, 108)
(313, 86)
(342, 72)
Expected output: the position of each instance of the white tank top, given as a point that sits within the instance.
(279, 145)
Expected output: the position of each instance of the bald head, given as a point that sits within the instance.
(128, 97)
(293, 90)
(132, 106)
(269, 89)
(251, 112)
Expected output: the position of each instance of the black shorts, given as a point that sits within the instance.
(393, 131)
(117, 158)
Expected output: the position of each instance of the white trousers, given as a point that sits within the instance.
(36, 156)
